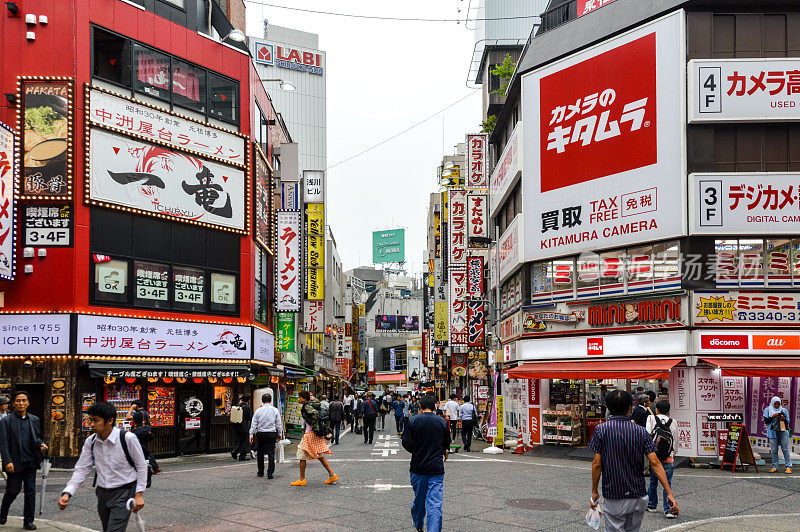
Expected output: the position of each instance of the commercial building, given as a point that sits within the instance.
(138, 241)
(642, 191)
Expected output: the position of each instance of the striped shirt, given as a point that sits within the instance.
(621, 446)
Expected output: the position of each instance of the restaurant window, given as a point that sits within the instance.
(223, 96)
(189, 287)
(151, 284)
(152, 72)
(223, 292)
(112, 58)
(188, 86)
(111, 280)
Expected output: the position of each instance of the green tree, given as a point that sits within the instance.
(504, 70)
(487, 126)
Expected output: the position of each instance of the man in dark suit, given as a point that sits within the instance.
(20, 448)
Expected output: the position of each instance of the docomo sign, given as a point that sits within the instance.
(289, 57)
(744, 90)
(749, 342)
(603, 131)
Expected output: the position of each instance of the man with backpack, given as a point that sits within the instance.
(369, 412)
(120, 466)
(145, 435)
(241, 416)
(665, 432)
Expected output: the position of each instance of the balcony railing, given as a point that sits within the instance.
(555, 17)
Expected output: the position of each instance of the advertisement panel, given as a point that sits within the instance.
(746, 309)
(477, 149)
(104, 335)
(287, 264)
(314, 186)
(154, 180)
(290, 196)
(477, 220)
(290, 57)
(389, 246)
(744, 203)
(34, 334)
(315, 283)
(510, 164)
(147, 122)
(744, 90)
(510, 254)
(604, 130)
(45, 121)
(8, 213)
(457, 281)
(286, 332)
(385, 322)
(263, 201)
(263, 345)
(314, 316)
(458, 226)
(407, 323)
(734, 342)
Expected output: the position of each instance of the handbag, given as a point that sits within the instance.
(357, 429)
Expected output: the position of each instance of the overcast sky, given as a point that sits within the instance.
(382, 77)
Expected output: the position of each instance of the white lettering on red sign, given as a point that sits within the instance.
(476, 160)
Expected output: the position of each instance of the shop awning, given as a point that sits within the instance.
(331, 373)
(596, 369)
(390, 377)
(134, 369)
(756, 367)
(293, 373)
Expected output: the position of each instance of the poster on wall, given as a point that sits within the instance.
(287, 263)
(604, 125)
(8, 212)
(707, 390)
(45, 119)
(733, 394)
(707, 435)
(158, 181)
(46, 225)
(762, 389)
(263, 201)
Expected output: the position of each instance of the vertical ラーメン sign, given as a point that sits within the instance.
(8, 213)
(477, 147)
(603, 128)
(288, 274)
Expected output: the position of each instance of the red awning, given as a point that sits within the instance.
(596, 369)
(390, 377)
(756, 367)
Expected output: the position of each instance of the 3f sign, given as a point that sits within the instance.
(709, 89)
(710, 201)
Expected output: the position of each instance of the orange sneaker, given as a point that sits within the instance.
(332, 479)
(300, 482)
(788, 470)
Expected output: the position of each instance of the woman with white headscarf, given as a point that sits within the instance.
(776, 418)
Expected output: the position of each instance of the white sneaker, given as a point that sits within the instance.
(669, 515)
(652, 509)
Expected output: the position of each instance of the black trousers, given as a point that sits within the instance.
(266, 444)
(453, 429)
(369, 429)
(25, 475)
(112, 506)
(242, 446)
(466, 433)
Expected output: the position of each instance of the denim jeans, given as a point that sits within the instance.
(398, 421)
(428, 498)
(337, 426)
(652, 493)
(781, 442)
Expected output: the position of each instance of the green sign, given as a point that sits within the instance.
(285, 340)
(389, 246)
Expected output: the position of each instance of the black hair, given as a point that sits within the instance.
(305, 394)
(266, 398)
(652, 395)
(18, 393)
(138, 418)
(427, 403)
(453, 396)
(466, 398)
(619, 402)
(663, 407)
(138, 402)
(245, 398)
(105, 411)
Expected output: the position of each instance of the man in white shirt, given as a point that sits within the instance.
(451, 409)
(265, 428)
(120, 475)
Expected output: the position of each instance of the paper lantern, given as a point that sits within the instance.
(180, 380)
(227, 380)
(212, 380)
(197, 380)
(241, 379)
(130, 380)
(110, 380)
(152, 379)
(167, 380)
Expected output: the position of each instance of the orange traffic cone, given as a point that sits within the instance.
(520, 446)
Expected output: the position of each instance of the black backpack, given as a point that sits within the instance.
(127, 457)
(662, 438)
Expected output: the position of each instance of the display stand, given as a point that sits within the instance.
(738, 448)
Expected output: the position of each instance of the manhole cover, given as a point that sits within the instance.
(548, 505)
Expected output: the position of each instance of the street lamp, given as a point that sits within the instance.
(234, 36)
(287, 86)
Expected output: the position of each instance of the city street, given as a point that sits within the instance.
(500, 492)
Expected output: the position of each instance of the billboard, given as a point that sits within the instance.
(263, 200)
(605, 145)
(8, 213)
(315, 251)
(389, 246)
(385, 322)
(285, 342)
(477, 220)
(458, 308)
(313, 186)
(408, 323)
(744, 90)
(458, 226)
(287, 264)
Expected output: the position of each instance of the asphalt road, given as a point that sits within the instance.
(502, 492)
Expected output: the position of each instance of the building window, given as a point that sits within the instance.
(494, 80)
(111, 280)
(188, 86)
(223, 98)
(223, 292)
(152, 72)
(151, 282)
(189, 287)
(757, 263)
(112, 58)
(177, 3)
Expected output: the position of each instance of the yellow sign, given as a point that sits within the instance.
(498, 440)
(315, 283)
(716, 308)
(444, 206)
(431, 268)
(316, 252)
(362, 311)
(361, 366)
(440, 316)
(316, 221)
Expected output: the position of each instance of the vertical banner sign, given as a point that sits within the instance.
(44, 108)
(286, 332)
(315, 261)
(440, 312)
(458, 308)
(290, 196)
(474, 276)
(476, 160)
(477, 220)
(437, 234)
(313, 316)
(8, 221)
(476, 323)
(263, 200)
(287, 278)
(458, 227)
(313, 183)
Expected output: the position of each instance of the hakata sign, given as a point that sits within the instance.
(314, 316)
(155, 180)
(8, 213)
(103, 335)
(606, 160)
(745, 203)
(746, 309)
(458, 226)
(287, 263)
(477, 147)
(146, 122)
(458, 309)
(475, 275)
(744, 90)
(587, 6)
(477, 220)
(286, 56)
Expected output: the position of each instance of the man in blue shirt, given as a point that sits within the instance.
(427, 439)
(398, 405)
(619, 445)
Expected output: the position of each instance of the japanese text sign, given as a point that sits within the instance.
(7, 202)
(587, 6)
(475, 276)
(288, 269)
(458, 227)
(313, 186)
(746, 308)
(263, 201)
(155, 180)
(509, 164)
(604, 128)
(286, 332)
(314, 316)
(477, 147)
(476, 323)
(477, 219)
(263, 345)
(744, 90)
(458, 308)
(509, 255)
(103, 335)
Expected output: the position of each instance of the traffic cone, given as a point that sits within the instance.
(520, 446)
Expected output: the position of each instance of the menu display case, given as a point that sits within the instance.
(122, 396)
(161, 406)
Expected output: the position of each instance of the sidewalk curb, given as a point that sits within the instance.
(15, 523)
